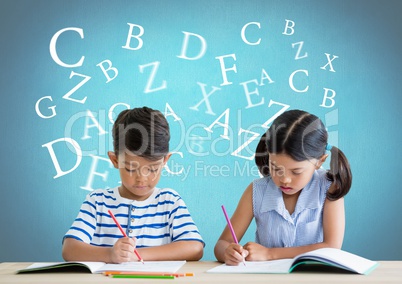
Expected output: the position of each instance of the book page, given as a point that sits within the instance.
(272, 266)
(148, 266)
(49, 266)
(341, 259)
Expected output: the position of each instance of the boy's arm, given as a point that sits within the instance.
(333, 226)
(178, 250)
(122, 251)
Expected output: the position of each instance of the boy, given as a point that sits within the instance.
(156, 221)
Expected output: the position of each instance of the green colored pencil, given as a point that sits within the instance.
(142, 276)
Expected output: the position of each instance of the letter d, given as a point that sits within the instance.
(56, 164)
(185, 45)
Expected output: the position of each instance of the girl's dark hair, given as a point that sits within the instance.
(142, 132)
(303, 136)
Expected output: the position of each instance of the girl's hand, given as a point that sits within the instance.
(123, 250)
(234, 254)
(257, 252)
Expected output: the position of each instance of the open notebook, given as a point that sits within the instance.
(99, 267)
(325, 256)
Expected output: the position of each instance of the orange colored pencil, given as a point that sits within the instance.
(107, 273)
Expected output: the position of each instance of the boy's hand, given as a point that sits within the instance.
(234, 254)
(123, 250)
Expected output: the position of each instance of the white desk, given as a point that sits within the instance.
(386, 272)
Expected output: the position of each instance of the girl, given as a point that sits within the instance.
(297, 206)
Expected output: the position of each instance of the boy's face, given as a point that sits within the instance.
(139, 176)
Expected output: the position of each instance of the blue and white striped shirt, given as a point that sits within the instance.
(160, 219)
(276, 227)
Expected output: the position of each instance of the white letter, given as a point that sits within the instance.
(300, 43)
(291, 81)
(53, 108)
(56, 164)
(53, 52)
(243, 33)
(264, 75)
(248, 93)
(328, 97)
(93, 173)
(167, 167)
(287, 26)
(223, 69)
(111, 110)
(95, 124)
(329, 62)
(171, 113)
(255, 136)
(151, 77)
(86, 79)
(224, 125)
(282, 110)
(116, 72)
(185, 44)
(138, 37)
(206, 96)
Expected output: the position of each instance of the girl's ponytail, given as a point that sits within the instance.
(339, 173)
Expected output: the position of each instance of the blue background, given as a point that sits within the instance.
(37, 209)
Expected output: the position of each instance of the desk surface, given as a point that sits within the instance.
(386, 272)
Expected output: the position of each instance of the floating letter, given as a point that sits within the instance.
(86, 79)
(248, 93)
(300, 43)
(56, 164)
(223, 69)
(291, 81)
(53, 52)
(171, 113)
(245, 144)
(138, 37)
(206, 96)
(329, 62)
(93, 173)
(224, 125)
(96, 124)
(282, 110)
(53, 108)
(289, 25)
(151, 77)
(243, 31)
(327, 97)
(185, 45)
(116, 72)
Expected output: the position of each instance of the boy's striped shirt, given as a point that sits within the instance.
(160, 219)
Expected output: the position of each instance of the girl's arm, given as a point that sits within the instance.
(333, 226)
(240, 220)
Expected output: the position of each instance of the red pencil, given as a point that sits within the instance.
(124, 234)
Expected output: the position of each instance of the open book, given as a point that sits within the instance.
(99, 267)
(325, 256)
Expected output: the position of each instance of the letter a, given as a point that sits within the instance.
(224, 125)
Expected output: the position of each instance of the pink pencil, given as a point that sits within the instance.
(124, 234)
(231, 228)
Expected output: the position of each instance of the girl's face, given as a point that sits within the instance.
(292, 176)
(139, 176)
